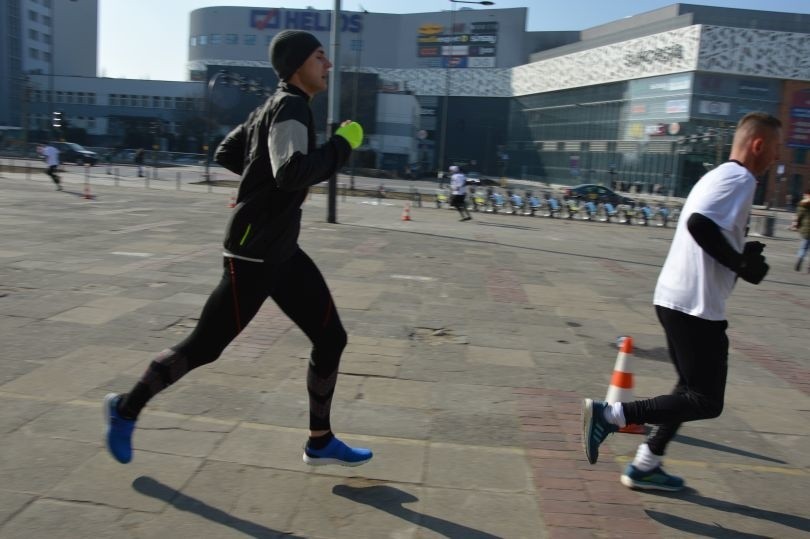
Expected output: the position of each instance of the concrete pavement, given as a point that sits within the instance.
(470, 347)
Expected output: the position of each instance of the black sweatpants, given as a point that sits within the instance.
(459, 203)
(698, 349)
(51, 171)
(298, 288)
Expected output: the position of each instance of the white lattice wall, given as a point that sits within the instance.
(736, 51)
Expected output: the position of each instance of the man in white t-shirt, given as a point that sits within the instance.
(707, 254)
(458, 183)
(51, 156)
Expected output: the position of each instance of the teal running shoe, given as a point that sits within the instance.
(594, 428)
(655, 479)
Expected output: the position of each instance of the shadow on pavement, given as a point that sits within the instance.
(697, 442)
(390, 500)
(80, 195)
(151, 487)
(691, 495)
(699, 528)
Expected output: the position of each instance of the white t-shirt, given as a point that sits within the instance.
(51, 155)
(692, 281)
(457, 183)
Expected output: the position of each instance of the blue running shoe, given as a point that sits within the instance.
(119, 430)
(655, 479)
(336, 452)
(594, 428)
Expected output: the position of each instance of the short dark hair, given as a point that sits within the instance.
(756, 124)
(760, 120)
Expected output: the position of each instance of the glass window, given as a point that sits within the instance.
(91, 122)
(80, 98)
(46, 20)
(231, 39)
(33, 34)
(113, 100)
(155, 101)
(91, 98)
(33, 53)
(46, 38)
(249, 39)
(69, 97)
(203, 40)
(33, 16)
(59, 97)
(46, 56)
(193, 41)
(216, 39)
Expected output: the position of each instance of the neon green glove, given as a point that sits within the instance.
(352, 132)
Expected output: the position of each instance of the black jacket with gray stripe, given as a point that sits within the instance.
(274, 152)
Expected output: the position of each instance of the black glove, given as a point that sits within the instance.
(752, 267)
(755, 247)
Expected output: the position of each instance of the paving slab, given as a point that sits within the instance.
(470, 347)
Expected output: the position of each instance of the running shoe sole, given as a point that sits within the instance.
(107, 403)
(587, 426)
(315, 461)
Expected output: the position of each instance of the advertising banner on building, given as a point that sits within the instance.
(799, 121)
(464, 45)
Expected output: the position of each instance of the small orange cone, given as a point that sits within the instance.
(232, 202)
(406, 212)
(621, 383)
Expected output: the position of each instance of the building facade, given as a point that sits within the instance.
(648, 101)
(652, 101)
(43, 37)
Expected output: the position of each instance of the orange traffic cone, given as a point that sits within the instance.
(406, 212)
(621, 383)
(232, 202)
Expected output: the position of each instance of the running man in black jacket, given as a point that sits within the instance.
(275, 154)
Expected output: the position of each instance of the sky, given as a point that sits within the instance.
(148, 39)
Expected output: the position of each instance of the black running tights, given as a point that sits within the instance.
(298, 288)
(698, 349)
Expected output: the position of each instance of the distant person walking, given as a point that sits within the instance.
(707, 255)
(51, 156)
(139, 159)
(802, 224)
(458, 183)
(275, 153)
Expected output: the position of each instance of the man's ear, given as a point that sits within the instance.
(757, 145)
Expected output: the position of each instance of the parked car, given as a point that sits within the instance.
(70, 152)
(475, 178)
(596, 193)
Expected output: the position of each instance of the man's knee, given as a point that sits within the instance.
(338, 338)
(714, 409)
(708, 407)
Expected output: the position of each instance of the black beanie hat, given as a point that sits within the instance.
(289, 49)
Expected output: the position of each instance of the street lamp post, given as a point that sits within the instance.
(446, 104)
